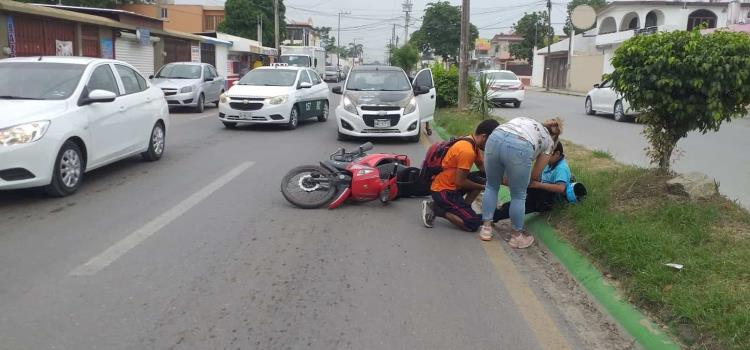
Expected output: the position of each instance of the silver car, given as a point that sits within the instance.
(187, 84)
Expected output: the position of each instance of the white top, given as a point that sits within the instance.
(532, 131)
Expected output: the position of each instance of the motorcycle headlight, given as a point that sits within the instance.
(278, 100)
(24, 133)
(223, 98)
(349, 106)
(411, 107)
(186, 89)
(365, 171)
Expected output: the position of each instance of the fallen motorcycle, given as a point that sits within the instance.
(346, 176)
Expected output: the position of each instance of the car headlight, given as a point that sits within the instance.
(349, 106)
(186, 89)
(223, 98)
(411, 107)
(278, 100)
(24, 133)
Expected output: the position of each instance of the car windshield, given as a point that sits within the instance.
(294, 60)
(330, 69)
(501, 76)
(180, 71)
(269, 77)
(378, 80)
(38, 80)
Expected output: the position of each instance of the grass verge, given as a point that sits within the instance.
(630, 227)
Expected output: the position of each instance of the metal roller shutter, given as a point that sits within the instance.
(141, 57)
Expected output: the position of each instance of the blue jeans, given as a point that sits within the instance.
(507, 154)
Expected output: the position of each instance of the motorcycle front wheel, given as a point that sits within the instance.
(309, 186)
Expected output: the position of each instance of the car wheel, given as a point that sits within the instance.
(589, 106)
(324, 116)
(156, 144)
(293, 119)
(219, 101)
(413, 139)
(68, 172)
(620, 112)
(201, 105)
(230, 125)
(516, 104)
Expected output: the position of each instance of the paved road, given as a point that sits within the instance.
(721, 155)
(200, 251)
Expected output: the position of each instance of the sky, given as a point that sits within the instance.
(370, 22)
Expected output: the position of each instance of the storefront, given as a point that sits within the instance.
(136, 49)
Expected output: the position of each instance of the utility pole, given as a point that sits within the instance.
(407, 6)
(549, 44)
(338, 39)
(571, 37)
(463, 75)
(260, 29)
(276, 24)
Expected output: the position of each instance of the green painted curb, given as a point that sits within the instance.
(640, 327)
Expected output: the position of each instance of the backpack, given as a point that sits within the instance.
(433, 160)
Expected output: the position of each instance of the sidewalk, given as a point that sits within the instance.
(556, 91)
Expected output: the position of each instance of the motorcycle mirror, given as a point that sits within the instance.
(365, 147)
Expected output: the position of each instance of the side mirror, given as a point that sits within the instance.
(337, 90)
(98, 96)
(151, 77)
(304, 85)
(596, 85)
(421, 90)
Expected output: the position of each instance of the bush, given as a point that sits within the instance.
(446, 83)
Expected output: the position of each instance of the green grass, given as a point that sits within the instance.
(630, 227)
(456, 122)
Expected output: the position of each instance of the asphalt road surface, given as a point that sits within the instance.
(201, 251)
(721, 155)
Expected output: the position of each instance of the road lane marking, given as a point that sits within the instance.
(119, 249)
(545, 329)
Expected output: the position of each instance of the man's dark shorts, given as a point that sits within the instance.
(453, 202)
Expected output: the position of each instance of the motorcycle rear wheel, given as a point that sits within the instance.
(308, 186)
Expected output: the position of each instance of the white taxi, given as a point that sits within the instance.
(275, 95)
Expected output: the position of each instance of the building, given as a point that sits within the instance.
(302, 34)
(503, 59)
(621, 20)
(234, 56)
(37, 30)
(182, 18)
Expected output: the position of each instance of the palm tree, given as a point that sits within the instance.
(355, 50)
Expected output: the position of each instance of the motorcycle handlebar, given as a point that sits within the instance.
(365, 147)
(342, 156)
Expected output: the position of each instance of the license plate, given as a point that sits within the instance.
(246, 115)
(382, 123)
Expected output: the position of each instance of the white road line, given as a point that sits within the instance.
(119, 249)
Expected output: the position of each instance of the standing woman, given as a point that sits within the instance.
(518, 150)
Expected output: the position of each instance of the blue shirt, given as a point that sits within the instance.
(560, 173)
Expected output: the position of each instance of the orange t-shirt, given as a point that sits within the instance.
(462, 155)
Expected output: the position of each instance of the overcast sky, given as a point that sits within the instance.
(371, 21)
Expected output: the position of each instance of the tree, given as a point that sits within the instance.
(405, 57)
(329, 42)
(596, 4)
(683, 81)
(87, 3)
(440, 32)
(533, 28)
(241, 19)
(355, 50)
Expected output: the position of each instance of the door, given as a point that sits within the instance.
(220, 81)
(305, 95)
(106, 120)
(319, 92)
(138, 108)
(598, 96)
(208, 85)
(426, 102)
(129, 50)
(607, 98)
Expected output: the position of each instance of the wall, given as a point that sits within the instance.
(672, 15)
(221, 59)
(585, 71)
(3, 34)
(537, 74)
(143, 9)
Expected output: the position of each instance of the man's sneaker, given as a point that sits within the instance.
(485, 232)
(428, 214)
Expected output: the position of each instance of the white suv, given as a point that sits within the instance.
(64, 116)
(380, 101)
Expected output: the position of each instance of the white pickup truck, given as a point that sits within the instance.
(312, 57)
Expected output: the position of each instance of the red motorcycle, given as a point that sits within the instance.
(355, 175)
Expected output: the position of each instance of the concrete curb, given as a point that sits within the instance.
(559, 92)
(640, 327)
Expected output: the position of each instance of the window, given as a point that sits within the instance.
(207, 73)
(701, 17)
(304, 78)
(651, 20)
(164, 12)
(141, 82)
(315, 77)
(269, 77)
(39, 80)
(378, 80)
(211, 23)
(103, 79)
(424, 79)
(129, 79)
(213, 71)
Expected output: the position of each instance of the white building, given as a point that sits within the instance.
(620, 21)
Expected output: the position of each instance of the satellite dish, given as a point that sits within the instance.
(583, 17)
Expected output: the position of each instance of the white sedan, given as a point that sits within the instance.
(278, 94)
(603, 99)
(505, 87)
(64, 116)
